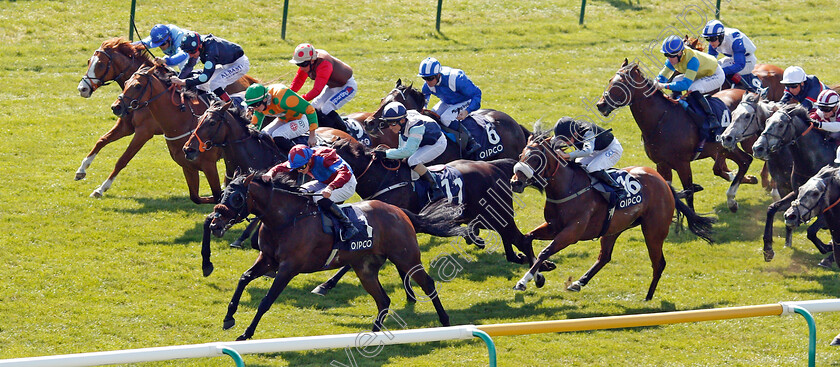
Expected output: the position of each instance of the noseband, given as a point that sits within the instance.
(96, 82)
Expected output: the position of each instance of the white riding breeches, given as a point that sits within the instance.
(448, 112)
(749, 64)
(225, 75)
(332, 99)
(606, 158)
(707, 84)
(338, 195)
(428, 153)
(288, 130)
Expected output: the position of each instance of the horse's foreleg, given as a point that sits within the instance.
(368, 272)
(260, 267)
(813, 229)
(566, 237)
(428, 285)
(211, 173)
(206, 264)
(121, 129)
(768, 223)
(284, 275)
(324, 288)
(191, 176)
(687, 180)
(766, 181)
(137, 141)
(743, 160)
(245, 234)
(543, 232)
(607, 244)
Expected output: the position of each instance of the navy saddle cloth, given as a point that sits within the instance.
(448, 179)
(631, 185)
(361, 241)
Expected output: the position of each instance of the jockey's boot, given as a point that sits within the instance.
(472, 146)
(739, 82)
(605, 177)
(285, 145)
(224, 96)
(710, 119)
(435, 193)
(336, 120)
(348, 230)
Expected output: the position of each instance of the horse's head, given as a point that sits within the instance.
(113, 60)
(233, 207)
(814, 196)
(411, 98)
(782, 127)
(212, 129)
(694, 43)
(141, 88)
(745, 121)
(623, 86)
(537, 163)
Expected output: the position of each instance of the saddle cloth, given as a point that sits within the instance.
(484, 132)
(448, 179)
(361, 241)
(718, 108)
(631, 185)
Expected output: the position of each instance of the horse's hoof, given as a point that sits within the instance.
(519, 287)
(836, 341)
(788, 244)
(826, 263)
(207, 269)
(242, 337)
(236, 244)
(733, 206)
(768, 255)
(96, 194)
(539, 280)
(80, 175)
(548, 266)
(321, 290)
(229, 323)
(574, 287)
(750, 180)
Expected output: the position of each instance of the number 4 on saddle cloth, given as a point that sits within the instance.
(718, 108)
(484, 133)
(362, 241)
(448, 179)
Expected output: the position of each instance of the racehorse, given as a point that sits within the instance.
(810, 149)
(574, 211)
(177, 118)
(819, 196)
(511, 135)
(669, 135)
(285, 211)
(116, 60)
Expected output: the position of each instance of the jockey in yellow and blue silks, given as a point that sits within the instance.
(739, 52)
(168, 37)
(701, 74)
(801, 87)
(224, 63)
(421, 141)
(458, 97)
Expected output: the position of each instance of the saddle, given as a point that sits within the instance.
(448, 179)
(362, 241)
(631, 185)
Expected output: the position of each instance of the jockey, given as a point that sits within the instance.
(597, 149)
(458, 97)
(801, 87)
(825, 117)
(334, 180)
(334, 83)
(168, 38)
(701, 74)
(224, 63)
(739, 52)
(294, 115)
(421, 141)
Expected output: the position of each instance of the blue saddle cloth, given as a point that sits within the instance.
(356, 130)
(484, 133)
(631, 185)
(448, 179)
(718, 108)
(361, 241)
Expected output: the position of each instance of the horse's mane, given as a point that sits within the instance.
(412, 93)
(796, 110)
(357, 150)
(128, 49)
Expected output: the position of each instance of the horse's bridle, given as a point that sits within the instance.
(787, 120)
(810, 210)
(752, 121)
(136, 103)
(96, 82)
(208, 144)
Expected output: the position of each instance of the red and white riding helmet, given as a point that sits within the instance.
(304, 52)
(827, 98)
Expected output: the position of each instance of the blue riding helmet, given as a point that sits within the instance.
(159, 35)
(299, 156)
(429, 67)
(672, 45)
(713, 28)
(393, 111)
(190, 42)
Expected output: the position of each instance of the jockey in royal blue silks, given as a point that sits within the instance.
(458, 97)
(801, 87)
(421, 141)
(739, 52)
(224, 63)
(168, 37)
(334, 180)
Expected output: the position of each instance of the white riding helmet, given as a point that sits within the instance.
(303, 52)
(827, 98)
(793, 75)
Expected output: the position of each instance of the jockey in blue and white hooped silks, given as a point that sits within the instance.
(168, 37)
(334, 180)
(701, 74)
(597, 149)
(224, 63)
(738, 51)
(458, 97)
(801, 87)
(825, 115)
(421, 141)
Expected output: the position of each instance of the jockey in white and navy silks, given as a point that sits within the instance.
(224, 63)
(458, 96)
(168, 38)
(739, 52)
(421, 141)
(597, 149)
(801, 87)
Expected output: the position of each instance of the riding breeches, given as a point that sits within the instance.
(288, 130)
(749, 64)
(606, 158)
(706, 84)
(227, 74)
(448, 112)
(332, 99)
(428, 153)
(338, 195)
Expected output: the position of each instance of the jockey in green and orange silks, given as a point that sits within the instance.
(294, 115)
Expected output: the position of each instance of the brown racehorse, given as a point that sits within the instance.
(512, 135)
(116, 60)
(575, 212)
(670, 137)
(150, 89)
(292, 242)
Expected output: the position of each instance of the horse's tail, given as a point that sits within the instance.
(438, 219)
(697, 224)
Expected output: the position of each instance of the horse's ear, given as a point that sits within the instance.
(625, 62)
(399, 83)
(226, 105)
(237, 172)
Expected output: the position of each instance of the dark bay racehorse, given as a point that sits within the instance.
(292, 242)
(811, 150)
(512, 135)
(116, 60)
(575, 212)
(177, 115)
(820, 195)
(670, 137)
